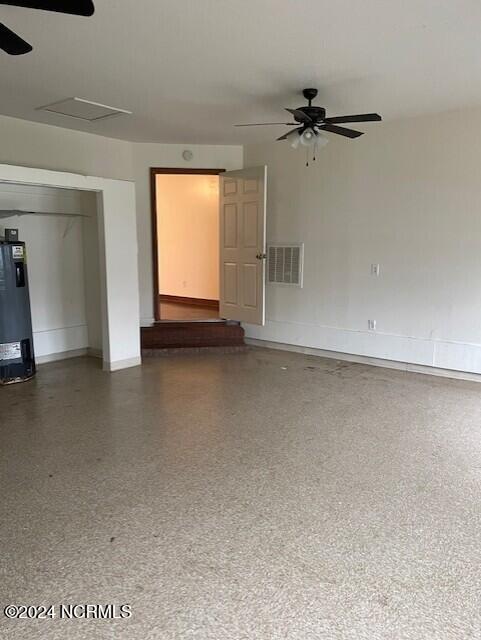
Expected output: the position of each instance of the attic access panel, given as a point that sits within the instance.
(82, 109)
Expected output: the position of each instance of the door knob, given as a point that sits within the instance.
(261, 256)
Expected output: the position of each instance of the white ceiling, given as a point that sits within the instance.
(190, 69)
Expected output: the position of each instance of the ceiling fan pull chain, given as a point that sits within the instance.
(307, 156)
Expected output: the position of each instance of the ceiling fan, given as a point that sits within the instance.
(313, 122)
(14, 45)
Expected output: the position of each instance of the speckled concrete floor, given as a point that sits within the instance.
(258, 496)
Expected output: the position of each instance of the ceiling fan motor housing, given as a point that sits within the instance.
(309, 94)
(317, 114)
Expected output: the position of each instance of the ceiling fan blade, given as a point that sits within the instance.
(74, 7)
(342, 131)
(11, 43)
(266, 124)
(300, 116)
(362, 117)
(286, 135)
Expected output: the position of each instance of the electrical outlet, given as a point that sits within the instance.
(375, 269)
(371, 325)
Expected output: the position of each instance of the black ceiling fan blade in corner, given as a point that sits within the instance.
(11, 43)
(266, 124)
(286, 135)
(341, 131)
(73, 7)
(300, 116)
(362, 117)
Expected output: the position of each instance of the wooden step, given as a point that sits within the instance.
(175, 335)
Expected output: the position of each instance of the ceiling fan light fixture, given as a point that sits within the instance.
(321, 140)
(308, 137)
(295, 139)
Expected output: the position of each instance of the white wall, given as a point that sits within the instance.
(406, 195)
(119, 264)
(118, 253)
(55, 259)
(146, 156)
(31, 144)
(92, 272)
(188, 235)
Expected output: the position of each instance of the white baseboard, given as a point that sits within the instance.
(93, 353)
(63, 355)
(50, 343)
(122, 364)
(376, 362)
(430, 352)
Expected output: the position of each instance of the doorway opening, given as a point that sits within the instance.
(185, 230)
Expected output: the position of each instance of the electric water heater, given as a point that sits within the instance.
(17, 361)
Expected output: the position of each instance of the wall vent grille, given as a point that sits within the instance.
(285, 264)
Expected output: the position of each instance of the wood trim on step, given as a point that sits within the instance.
(196, 302)
(154, 171)
(173, 335)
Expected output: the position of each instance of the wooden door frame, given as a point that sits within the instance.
(154, 172)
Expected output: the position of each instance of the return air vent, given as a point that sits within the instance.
(285, 264)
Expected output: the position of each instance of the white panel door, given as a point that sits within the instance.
(243, 245)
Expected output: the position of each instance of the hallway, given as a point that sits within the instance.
(185, 312)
